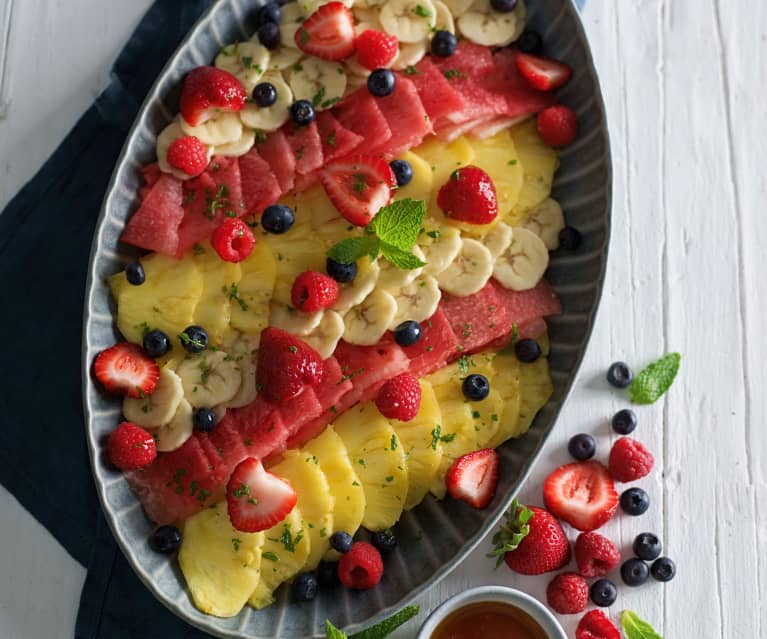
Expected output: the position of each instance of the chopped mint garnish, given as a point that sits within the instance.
(655, 379)
(270, 556)
(421, 11)
(636, 628)
(411, 70)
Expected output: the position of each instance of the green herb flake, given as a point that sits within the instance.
(233, 294)
(447, 438)
(411, 70)
(198, 250)
(421, 11)
(435, 436)
(236, 544)
(453, 73)
(331, 139)
(270, 556)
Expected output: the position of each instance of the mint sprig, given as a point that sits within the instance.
(377, 631)
(636, 628)
(655, 379)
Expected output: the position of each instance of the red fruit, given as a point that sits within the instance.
(595, 625)
(582, 494)
(629, 460)
(207, 90)
(285, 365)
(558, 125)
(328, 33)
(473, 477)
(469, 196)
(358, 187)
(567, 593)
(361, 568)
(131, 447)
(188, 154)
(400, 397)
(233, 240)
(256, 499)
(376, 49)
(543, 74)
(313, 291)
(595, 555)
(545, 548)
(126, 369)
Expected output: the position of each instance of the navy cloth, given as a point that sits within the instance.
(45, 237)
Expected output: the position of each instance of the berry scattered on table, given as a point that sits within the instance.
(603, 593)
(629, 460)
(194, 339)
(327, 573)
(543, 74)
(277, 219)
(156, 343)
(567, 593)
(545, 547)
(663, 569)
(269, 35)
(134, 273)
(569, 238)
(443, 44)
(305, 587)
(376, 49)
(527, 350)
(469, 196)
(407, 333)
(530, 42)
(341, 541)
(595, 625)
(634, 572)
(233, 240)
(285, 364)
(595, 555)
(270, 12)
(475, 387)
(256, 499)
(313, 291)
(582, 494)
(624, 421)
(204, 420)
(381, 82)
(126, 369)
(361, 568)
(582, 446)
(384, 540)
(328, 33)
(647, 546)
(165, 539)
(403, 171)
(189, 155)
(131, 447)
(558, 125)
(400, 397)
(473, 477)
(619, 375)
(634, 501)
(207, 90)
(302, 112)
(342, 273)
(264, 94)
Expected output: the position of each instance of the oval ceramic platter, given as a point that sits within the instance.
(446, 530)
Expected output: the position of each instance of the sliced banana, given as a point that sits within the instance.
(444, 20)
(366, 4)
(293, 321)
(523, 263)
(417, 301)
(308, 7)
(441, 250)
(241, 146)
(247, 391)
(170, 133)
(469, 272)
(392, 278)
(409, 54)
(457, 7)
(328, 333)
(210, 379)
(366, 18)
(354, 68)
(483, 25)
(367, 322)
(247, 61)
(174, 434)
(283, 57)
(292, 18)
(222, 129)
(158, 408)
(321, 82)
(546, 220)
(498, 239)
(363, 284)
(409, 20)
(273, 117)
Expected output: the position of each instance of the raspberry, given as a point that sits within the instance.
(567, 593)
(375, 49)
(188, 154)
(595, 625)
(400, 397)
(233, 240)
(595, 555)
(558, 125)
(629, 460)
(312, 291)
(361, 568)
(131, 447)
(469, 196)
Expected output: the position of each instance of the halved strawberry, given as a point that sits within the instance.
(126, 369)
(473, 477)
(543, 74)
(285, 365)
(207, 90)
(581, 494)
(359, 186)
(328, 33)
(256, 499)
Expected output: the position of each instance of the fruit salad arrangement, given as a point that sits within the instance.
(343, 306)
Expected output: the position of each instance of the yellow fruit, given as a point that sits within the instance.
(487, 416)
(220, 564)
(458, 437)
(294, 255)
(498, 157)
(535, 389)
(250, 303)
(506, 382)
(448, 380)
(325, 222)
(220, 280)
(421, 185)
(379, 459)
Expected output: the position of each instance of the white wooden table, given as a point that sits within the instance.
(684, 82)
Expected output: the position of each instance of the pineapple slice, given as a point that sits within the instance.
(324, 220)
(221, 565)
(458, 437)
(487, 415)
(250, 301)
(535, 389)
(379, 459)
(315, 501)
(447, 381)
(443, 160)
(284, 552)
(498, 156)
(295, 254)
(420, 187)
(506, 382)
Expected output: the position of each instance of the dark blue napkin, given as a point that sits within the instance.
(45, 237)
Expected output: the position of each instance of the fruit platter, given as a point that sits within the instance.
(341, 284)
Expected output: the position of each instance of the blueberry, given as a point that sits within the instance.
(408, 333)
(647, 546)
(305, 587)
(204, 419)
(302, 112)
(530, 42)
(619, 375)
(341, 272)
(443, 44)
(327, 573)
(385, 541)
(194, 339)
(663, 569)
(503, 6)
(381, 82)
(603, 593)
(634, 572)
(403, 171)
(270, 12)
(165, 539)
(341, 541)
(582, 447)
(269, 35)
(134, 273)
(475, 387)
(277, 218)
(634, 501)
(569, 238)
(156, 343)
(624, 421)
(264, 94)
(527, 350)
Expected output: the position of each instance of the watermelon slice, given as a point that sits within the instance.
(155, 226)
(360, 113)
(337, 140)
(261, 427)
(488, 128)
(506, 80)
(260, 187)
(407, 118)
(438, 345)
(277, 153)
(299, 410)
(438, 97)
(151, 173)
(303, 182)
(368, 367)
(224, 448)
(449, 132)
(477, 319)
(311, 429)
(526, 308)
(307, 147)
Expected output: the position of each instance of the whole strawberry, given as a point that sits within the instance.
(629, 460)
(285, 365)
(545, 548)
(131, 447)
(400, 397)
(469, 196)
(595, 625)
(595, 555)
(567, 593)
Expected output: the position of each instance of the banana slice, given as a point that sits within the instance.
(247, 61)
(417, 301)
(292, 18)
(326, 336)
(366, 323)
(292, 321)
(546, 220)
(458, 7)
(366, 4)
(441, 250)
(356, 291)
(273, 117)
(158, 408)
(482, 25)
(283, 57)
(444, 20)
(172, 435)
(523, 263)
(392, 278)
(409, 54)
(226, 127)
(170, 133)
(241, 146)
(367, 18)
(498, 239)
(469, 271)
(247, 391)
(321, 82)
(308, 7)
(354, 68)
(210, 379)
(409, 20)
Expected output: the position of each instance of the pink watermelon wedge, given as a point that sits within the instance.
(359, 113)
(406, 116)
(261, 428)
(299, 410)
(277, 153)
(155, 226)
(151, 173)
(337, 140)
(224, 448)
(260, 187)
(368, 367)
(439, 98)
(449, 132)
(506, 80)
(307, 147)
(437, 346)
(526, 309)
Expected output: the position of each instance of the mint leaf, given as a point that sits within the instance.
(387, 626)
(655, 379)
(331, 632)
(400, 258)
(350, 250)
(399, 223)
(636, 628)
